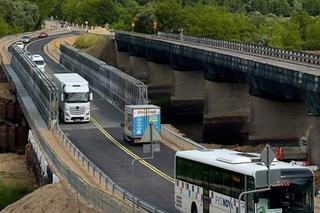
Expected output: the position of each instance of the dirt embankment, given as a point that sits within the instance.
(13, 170)
(49, 198)
(53, 198)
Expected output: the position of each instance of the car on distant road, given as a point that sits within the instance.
(43, 35)
(25, 38)
(19, 44)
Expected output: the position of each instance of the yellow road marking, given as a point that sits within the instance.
(126, 150)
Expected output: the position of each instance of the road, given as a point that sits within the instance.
(102, 142)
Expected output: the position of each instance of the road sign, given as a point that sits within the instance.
(267, 156)
(150, 135)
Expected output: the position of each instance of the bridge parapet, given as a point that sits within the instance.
(117, 87)
(249, 48)
(44, 91)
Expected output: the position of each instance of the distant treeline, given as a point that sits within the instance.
(288, 24)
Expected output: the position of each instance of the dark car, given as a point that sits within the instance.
(43, 35)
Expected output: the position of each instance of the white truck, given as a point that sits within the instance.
(136, 121)
(74, 104)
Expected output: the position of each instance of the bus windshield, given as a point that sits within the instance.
(291, 195)
(77, 97)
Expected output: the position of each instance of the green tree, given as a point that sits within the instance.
(259, 5)
(286, 36)
(4, 27)
(312, 6)
(167, 13)
(24, 15)
(313, 36)
(144, 20)
(302, 19)
(45, 7)
(280, 7)
(105, 11)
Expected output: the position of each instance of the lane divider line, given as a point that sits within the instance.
(126, 150)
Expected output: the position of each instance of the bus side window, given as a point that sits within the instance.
(237, 185)
(198, 167)
(227, 182)
(217, 180)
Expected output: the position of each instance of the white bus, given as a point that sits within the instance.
(211, 182)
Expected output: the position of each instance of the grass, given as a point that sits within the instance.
(88, 40)
(10, 193)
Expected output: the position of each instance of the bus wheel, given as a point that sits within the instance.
(194, 208)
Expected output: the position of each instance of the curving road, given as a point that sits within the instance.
(102, 142)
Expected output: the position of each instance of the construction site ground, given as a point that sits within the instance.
(49, 198)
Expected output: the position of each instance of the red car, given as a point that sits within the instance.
(43, 35)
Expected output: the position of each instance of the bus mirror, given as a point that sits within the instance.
(90, 96)
(122, 124)
(62, 97)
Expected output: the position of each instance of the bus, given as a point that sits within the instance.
(210, 181)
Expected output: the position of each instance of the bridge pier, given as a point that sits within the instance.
(187, 96)
(314, 140)
(123, 62)
(277, 121)
(160, 77)
(226, 113)
(139, 67)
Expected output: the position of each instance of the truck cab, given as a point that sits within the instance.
(74, 104)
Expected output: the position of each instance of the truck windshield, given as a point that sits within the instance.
(77, 97)
(292, 195)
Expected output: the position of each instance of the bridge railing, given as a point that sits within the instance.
(117, 87)
(250, 48)
(42, 90)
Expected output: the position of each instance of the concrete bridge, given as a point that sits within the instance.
(243, 92)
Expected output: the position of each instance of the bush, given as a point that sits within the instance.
(11, 193)
(88, 40)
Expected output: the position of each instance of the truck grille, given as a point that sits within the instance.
(77, 110)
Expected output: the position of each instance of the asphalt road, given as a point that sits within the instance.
(149, 185)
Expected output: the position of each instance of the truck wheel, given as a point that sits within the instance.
(125, 138)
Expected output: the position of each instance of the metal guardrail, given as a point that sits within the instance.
(250, 48)
(117, 87)
(42, 90)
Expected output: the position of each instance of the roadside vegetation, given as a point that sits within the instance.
(88, 40)
(10, 193)
(15, 180)
(287, 24)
